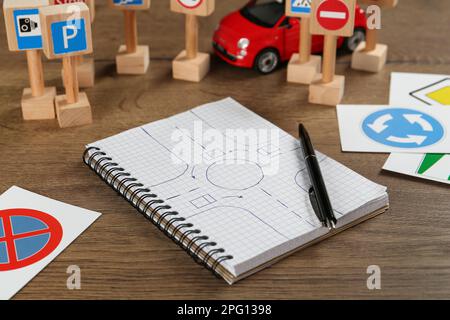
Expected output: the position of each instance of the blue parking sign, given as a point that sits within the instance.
(28, 29)
(69, 36)
(301, 6)
(128, 2)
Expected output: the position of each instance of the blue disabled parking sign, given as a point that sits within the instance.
(403, 128)
(128, 2)
(301, 6)
(69, 36)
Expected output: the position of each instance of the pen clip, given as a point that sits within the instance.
(315, 206)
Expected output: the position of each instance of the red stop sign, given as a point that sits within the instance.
(333, 14)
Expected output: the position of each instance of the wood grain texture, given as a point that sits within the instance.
(123, 256)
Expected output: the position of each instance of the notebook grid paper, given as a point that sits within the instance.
(251, 210)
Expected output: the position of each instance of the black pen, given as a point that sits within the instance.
(318, 192)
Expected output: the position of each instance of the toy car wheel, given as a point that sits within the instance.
(267, 61)
(351, 43)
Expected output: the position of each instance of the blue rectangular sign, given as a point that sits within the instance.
(69, 36)
(301, 6)
(28, 29)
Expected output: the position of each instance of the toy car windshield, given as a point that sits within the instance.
(265, 13)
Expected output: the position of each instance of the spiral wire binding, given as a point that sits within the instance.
(122, 182)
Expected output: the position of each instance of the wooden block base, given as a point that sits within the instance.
(370, 61)
(329, 94)
(39, 108)
(133, 63)
(303, 73)
(191, 69)
(75, 114)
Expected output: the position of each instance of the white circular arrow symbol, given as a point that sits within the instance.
(379, 125)
(417, 118)
(410, 139)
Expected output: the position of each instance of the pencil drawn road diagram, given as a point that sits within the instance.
(223, 175)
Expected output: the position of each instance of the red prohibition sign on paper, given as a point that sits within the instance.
(26, 237)
(333, 14)
(190, 4)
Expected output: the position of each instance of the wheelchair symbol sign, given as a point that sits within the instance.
(301, 6)
(403, 128)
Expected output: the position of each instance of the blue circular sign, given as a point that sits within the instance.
(403, 128)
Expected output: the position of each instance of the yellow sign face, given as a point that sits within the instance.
(441, 96)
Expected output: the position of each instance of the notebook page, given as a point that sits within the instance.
(255, 208)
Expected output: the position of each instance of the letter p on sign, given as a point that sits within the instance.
(66, 30)
(67, 36)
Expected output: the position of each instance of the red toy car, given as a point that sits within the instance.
(260, 36)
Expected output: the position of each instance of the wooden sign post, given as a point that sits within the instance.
(303, 67)
(370, 55)
(67, 34)
(191, 65)
(86, 65)
(24, 32)
(331, 18)
(132, 58)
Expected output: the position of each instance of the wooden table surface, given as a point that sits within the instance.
(122, 256)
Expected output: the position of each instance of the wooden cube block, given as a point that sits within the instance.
(39, 108)
(85, 72)
(191, 69)
(122, 5)
(370, 61)
(133, 63)
(75, 114)
(23, 25)
(89, 3)
(303, 73)
(194, 7)
(66, 30)
(329, 94)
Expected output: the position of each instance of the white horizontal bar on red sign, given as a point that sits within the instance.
(333, 15)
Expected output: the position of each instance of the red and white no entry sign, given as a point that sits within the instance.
(333, 14)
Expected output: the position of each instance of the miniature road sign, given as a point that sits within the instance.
(67, 34)
(302, 67)
(370, 55)
(24, 33)
(86, 66)
(195, 7)
(130, 4)
(191, 65)
(331, 18)
(132, 58)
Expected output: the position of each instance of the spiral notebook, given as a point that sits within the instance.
(244, 205)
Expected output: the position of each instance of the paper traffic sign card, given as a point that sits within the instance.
(34, 230)
(428, 90)
(380, 128)
(419, 89)
(432, 166)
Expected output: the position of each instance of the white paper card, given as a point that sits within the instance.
(421, 90)
(34, 230)
(381, 128)
(417, 89)
(427, 166)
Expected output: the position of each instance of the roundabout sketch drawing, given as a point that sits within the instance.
(250, 174)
